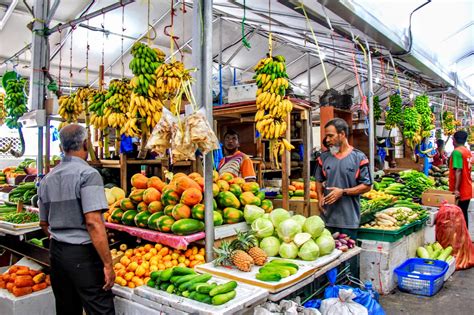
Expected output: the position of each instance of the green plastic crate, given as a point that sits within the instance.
(382, 235)
(420, 224)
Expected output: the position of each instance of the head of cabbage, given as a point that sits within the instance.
(299, 218)
(313, 225)
(271, 245)
(279, 215)
(252, 212)
(288, 250)
(262, 227)
(288, 229)
(309, 251)
(326, 244)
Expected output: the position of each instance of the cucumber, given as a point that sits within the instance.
(184, 279)
(278, 266)
(282, 272)
(199, 279)
(268, 277)
(181, 271)
(205, 288)
(283, 262)
(200, 297)
(173, 279)
(186, 293)
(170, 289)
(223, 298)
(155, 275)
(223, 288)
(166, 274)
(151, 283)
(164, 286)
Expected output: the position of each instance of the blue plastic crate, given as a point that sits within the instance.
(421, 276)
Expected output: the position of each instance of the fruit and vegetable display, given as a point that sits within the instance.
(296, 191)
(394, 218)
(116, 103)
(21, 217)
(187, 283)
(177, 207)
(114, 195)
(435, 251)
(343, 241)
(15, 101)
(3, 178)
(272, 106)
(440, 175)
(405, 184)
(24, 192)
(13, 172)
(136, 265)
(21, 280)
(6, 210)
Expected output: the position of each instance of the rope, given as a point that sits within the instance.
(121, 47)
(317, 44)
(173, 38)
(270, 44)
(70, 63)
(60, 60)
(245, 42)
(87, 55)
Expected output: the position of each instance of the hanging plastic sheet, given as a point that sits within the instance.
(126, 144)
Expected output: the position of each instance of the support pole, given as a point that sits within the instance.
(307, 147)
(371, 113)
(39, 60)
(221, 90)
(202, 59)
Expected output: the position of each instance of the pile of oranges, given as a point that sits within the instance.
(135, 266)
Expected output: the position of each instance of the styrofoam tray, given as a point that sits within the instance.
(306, 269)
(246, 296)
(124, 292)
(15, 226)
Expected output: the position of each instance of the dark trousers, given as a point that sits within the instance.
(77, 278)
(354, 261)
(464, 205)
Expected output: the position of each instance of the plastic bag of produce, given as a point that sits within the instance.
(342, 305)
(451, 230)
(160, 139)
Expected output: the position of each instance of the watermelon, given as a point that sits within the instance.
(153, 220)
(164, 223)
(187, 226)
(128, 217)
(141, 219)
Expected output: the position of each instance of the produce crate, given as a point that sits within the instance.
(419, 224)
(382, 235)
(421, 276)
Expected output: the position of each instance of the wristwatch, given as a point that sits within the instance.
(344, 192)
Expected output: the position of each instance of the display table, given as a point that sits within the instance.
(38, 303)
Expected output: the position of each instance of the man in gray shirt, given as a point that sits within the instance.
(71, 200)
(345, 174)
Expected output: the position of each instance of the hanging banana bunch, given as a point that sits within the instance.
(97, 109)
(272, 106)
(395, 115)
(144, 111)
(3, 112)
(449, 126)
(117, 102)
(422, 106)
(15, 102)
(169, 78)
(412, 127)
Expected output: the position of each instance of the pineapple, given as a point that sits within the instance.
(247, 242)
(227, 255)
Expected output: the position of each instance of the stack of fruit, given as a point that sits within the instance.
(435, 251)
(69, 109)
(374, 194)
(272, 107)
(169, 78)
(449, 123)
(136, 265)
(3, 178)
(422, 106)
(21, 280)
(15, 102)
(296, 191)
(441, 176)
(394, 218)
(177, 207)
(394, 117)
(145, 108)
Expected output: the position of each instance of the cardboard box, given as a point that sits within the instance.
(297, 206)
(434, 197)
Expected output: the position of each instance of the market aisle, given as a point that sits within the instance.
(454, 298)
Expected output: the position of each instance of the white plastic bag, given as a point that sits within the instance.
(342, 305)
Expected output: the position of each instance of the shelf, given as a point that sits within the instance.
(273, 171)
(144, 162)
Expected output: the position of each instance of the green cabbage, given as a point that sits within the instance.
(252, 212)
(309, 251)
(271, 245)
(288, 229)
(279, 215)
(326, 232)
(326, 244)
(313, 225)
(299, 218)
(288, 250)
(301, 238)
(262, 227)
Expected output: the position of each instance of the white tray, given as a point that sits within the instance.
(15, 226)
(306, 269)
(246, 296)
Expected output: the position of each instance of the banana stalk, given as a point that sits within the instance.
(117, 141)
(20, 153)
(90, 148)
(106, 143)
(143, 150)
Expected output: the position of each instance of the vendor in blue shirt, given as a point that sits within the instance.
(342, 175)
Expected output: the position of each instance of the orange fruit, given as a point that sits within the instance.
(128, 276)
(132, 266)
(131, 285)
(148, 247)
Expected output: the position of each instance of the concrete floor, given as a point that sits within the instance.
(455, 298)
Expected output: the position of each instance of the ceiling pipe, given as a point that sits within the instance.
(7, 15)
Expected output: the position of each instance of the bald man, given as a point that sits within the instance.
(71, 201)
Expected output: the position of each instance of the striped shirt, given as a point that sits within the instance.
(70, 190)
(238, 164)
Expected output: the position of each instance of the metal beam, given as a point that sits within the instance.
(329, 74)
(255, 31)
(372, 126)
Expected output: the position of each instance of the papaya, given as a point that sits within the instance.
(141, 219)
(215, 176)
(153, 220)
(184, 182)
(139, 181)
(128, 217)
(215, 190)
(228, 199)
(298, 185)
(155, 182)
(235, 189)
(299, 193)
(168, 210)
(200, 181)
(191, 197)
(151, 194)
(155, 206)
(164, 223)
(226, 176)
(266, 205)
(136, 195)
(218, 220)
(142, 206)
(248, 198)
(291, 188)
(250, 186)
(181, 211)
(197, 212)
(194, 175)
(187, 226)
(223, 185)
(169, 197)
(313, 194)
(260, 195)
(312, 186)
(238, 181)
(232, 215)
(126, 204)
(116, 216)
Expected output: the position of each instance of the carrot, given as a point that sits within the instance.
(48, 280)
(3, 284)
(13, 269)
(10, 286)
(23, 272)
(21, 291)
(24, 281)
(6, 277)
(39, 286)
(34, 272)
(12, 277)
